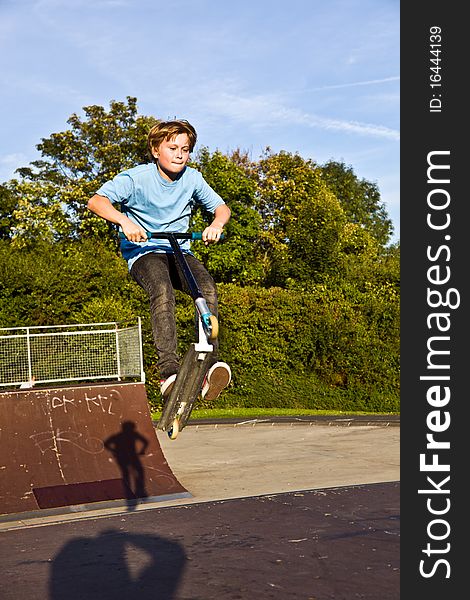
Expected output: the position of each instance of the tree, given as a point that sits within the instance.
(52, 192)
(8, 205)
(360, 200)
(236, 259)
(294, 222)
(302, 219)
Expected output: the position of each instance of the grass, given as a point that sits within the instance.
(243, 413)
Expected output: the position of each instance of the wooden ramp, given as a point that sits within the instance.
(63, 449)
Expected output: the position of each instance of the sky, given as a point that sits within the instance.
(315, 77)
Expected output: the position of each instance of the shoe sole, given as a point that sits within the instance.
(167, 392)
(220, 378)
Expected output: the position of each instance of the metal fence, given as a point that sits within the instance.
(61, 353)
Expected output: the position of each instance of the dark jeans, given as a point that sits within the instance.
(159, 275)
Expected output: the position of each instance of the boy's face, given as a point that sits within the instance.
(172, 155)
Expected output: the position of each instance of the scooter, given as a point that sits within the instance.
(197, 360)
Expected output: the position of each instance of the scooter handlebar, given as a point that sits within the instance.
(192, 235)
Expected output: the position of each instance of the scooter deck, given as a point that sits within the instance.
(186, 389)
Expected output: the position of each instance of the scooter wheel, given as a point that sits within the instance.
(174, 430)
(214, 327)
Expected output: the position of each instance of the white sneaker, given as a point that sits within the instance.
(218, 377)
(166, 385)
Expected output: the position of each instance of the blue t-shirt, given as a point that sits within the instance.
(157, 204)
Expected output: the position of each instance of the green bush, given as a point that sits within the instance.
(334, 346)
(316, 349)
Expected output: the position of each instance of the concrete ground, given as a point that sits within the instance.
(216, 462)
(277, 510)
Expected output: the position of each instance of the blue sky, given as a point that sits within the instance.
(320, 78)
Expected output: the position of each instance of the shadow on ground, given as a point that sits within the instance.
(325, 544)
(116, 565)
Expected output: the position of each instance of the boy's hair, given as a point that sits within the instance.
(167, 130)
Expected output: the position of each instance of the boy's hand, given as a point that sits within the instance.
(212, 234)
(133, 232)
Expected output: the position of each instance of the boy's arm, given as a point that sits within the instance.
(214, 231)
(102, 206)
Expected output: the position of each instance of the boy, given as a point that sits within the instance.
(159, 196)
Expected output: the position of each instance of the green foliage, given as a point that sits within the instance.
(302, 220)
(308, 290)
(52, 193)
(54, 283)
(310, 349)
(8, 204)
(293, 222)
(236, 259)
(328, 348)
(359, 198)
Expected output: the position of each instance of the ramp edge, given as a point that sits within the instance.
(53, 516)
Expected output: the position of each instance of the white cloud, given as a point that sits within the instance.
(10, 162)
(264, 110)
(356, 83)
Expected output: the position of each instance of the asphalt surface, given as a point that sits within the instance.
(302, 509)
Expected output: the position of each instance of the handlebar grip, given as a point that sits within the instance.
(123, 237)
(197, 235)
